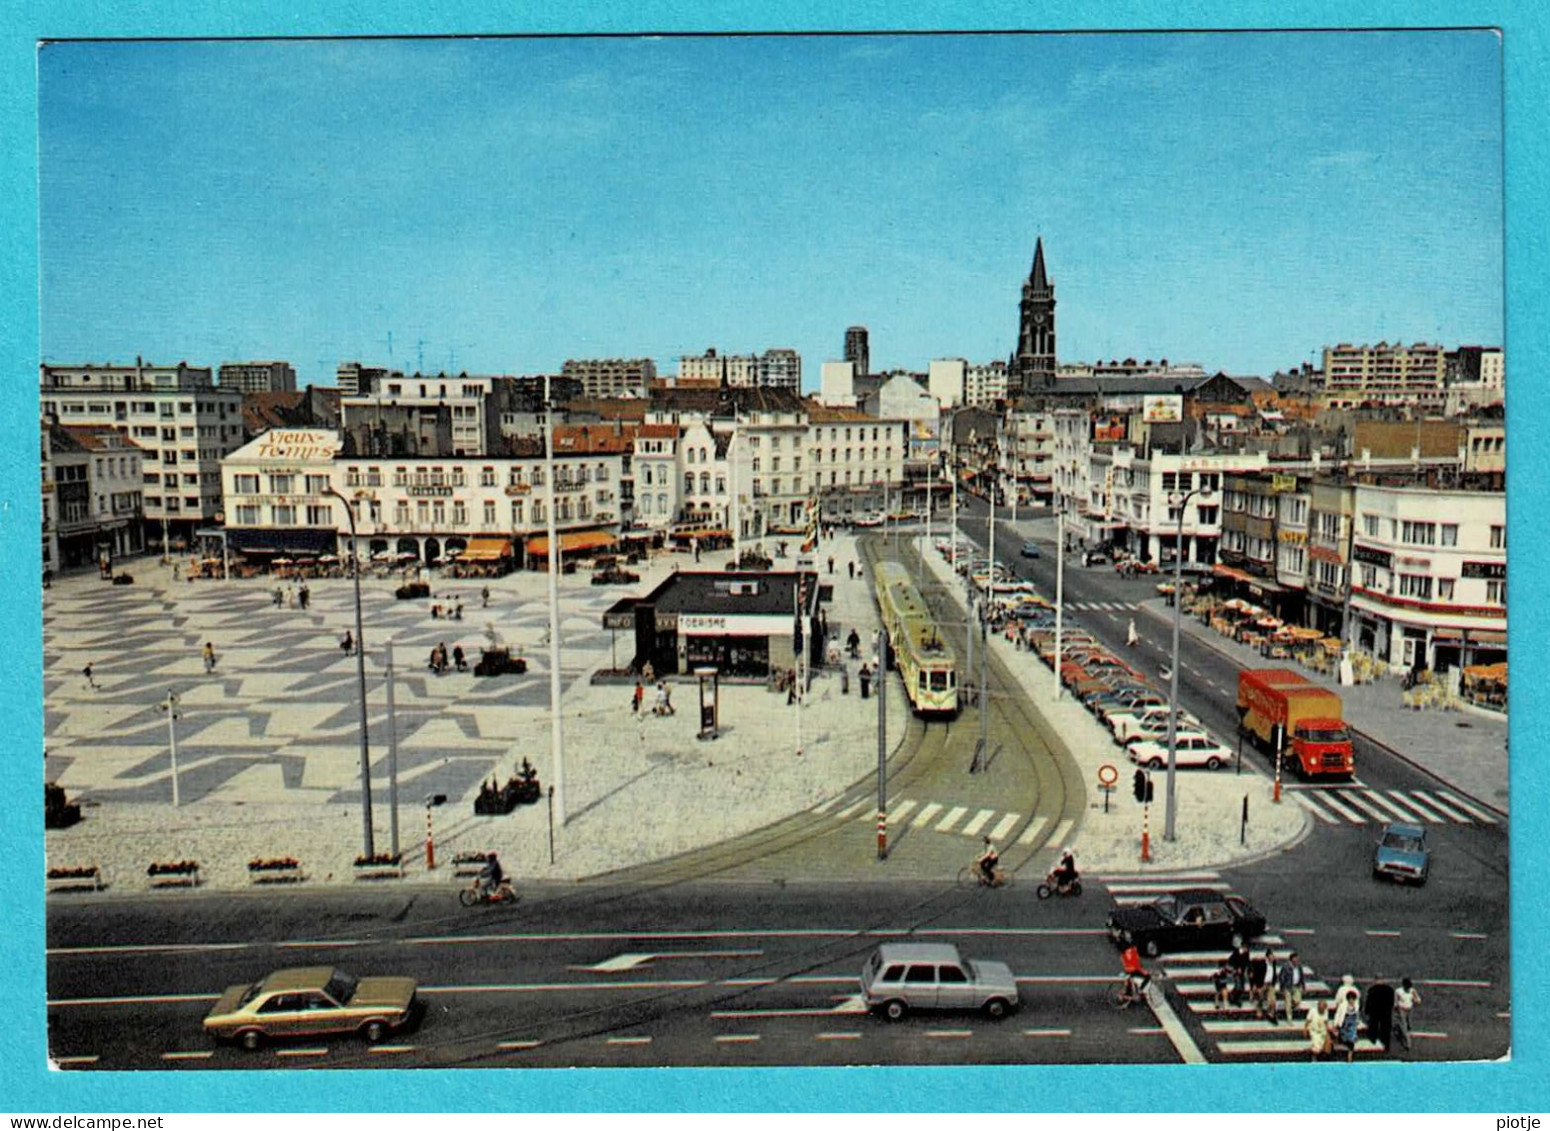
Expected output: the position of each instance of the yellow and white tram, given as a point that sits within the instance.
(917, 647)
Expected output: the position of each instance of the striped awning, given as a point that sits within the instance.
(572, 541)
(486, 549)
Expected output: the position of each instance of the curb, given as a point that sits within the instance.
(1146, 607)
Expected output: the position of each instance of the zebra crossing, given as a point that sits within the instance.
(946, 817)
(1359, 805)
(1103, 606)
(1143, 887)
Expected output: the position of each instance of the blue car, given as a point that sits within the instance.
(1030, 549)
(1402, 854)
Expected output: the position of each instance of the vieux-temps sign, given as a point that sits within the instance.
(296, 444)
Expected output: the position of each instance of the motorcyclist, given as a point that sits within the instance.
(1065, 873)
(491, 875)
(987, 862)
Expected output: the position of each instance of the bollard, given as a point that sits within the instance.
(430, 842)
(1276, 795)
(882, 835)
(1146, 836)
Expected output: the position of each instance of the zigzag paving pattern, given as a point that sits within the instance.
(278, 719)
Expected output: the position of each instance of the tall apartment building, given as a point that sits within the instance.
(985, 384)
(391, 398)
(613, 376)
(353, 378)
(1385, 374)
(175, 414)
(773, 369)
(257, 376)
(858, 350)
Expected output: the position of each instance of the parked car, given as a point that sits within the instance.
(900, 977)
(1101, 554)
(1402, 854)
(1192, 748)
(868, 520)
(312, 1001)
(1147, 722)
(1030, 549)
(1191, 919)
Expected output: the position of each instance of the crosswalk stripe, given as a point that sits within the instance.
(1250, 1025)
(923, 818)
(897, 814)
(1207, 989)
(1356, 799)
(952, 818)
(1005, 825)
(1267, 1048)
(852, 810)
(1398, 801)
(1447, 810)
(1134, 889)
(977, 822)
(825, 806)
(1334, 803)
(1479, 814)
(1420, 804)
(1307, 803)
(1031, 833)
(1063, 830)
(1383, 802)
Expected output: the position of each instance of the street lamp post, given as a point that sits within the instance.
(1060, 589)
(1178, 500)
(170, 705)
(360, 671)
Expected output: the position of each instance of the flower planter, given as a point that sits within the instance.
(466, 864)
(168, 873)
(86, 877)
(275, 870)
(379, 867)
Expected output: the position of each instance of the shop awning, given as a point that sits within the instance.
(486, 549)
(294, 541)
(1486, 639)
(572, 541)
(1262, 583)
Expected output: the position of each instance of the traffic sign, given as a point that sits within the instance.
(1107, 774)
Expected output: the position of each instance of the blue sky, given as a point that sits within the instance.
(499, 205)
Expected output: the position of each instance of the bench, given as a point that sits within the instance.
(87, 878)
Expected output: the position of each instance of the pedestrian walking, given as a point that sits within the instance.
(1238, 963)
(648, 672)
(347, 642)
(458, 660)
(635, 700)
(304, 595)
(865, 675)
(791, 687)
(1270, 982)
(90, 682)
(484, 597)
(1222, 982)
(279, 597)
(831, 563)
(851, 566)
(1291, 985)
(1316, 1029)
(209, 656)
(1347, 1016)
(667, 698)
(1132, 637)
(1379, 1012)
(844, 679)
(1406, 998)
(1256, 980)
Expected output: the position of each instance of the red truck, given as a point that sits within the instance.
(1276, 705)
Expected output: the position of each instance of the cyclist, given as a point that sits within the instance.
(987, 863)
(1065, 873)
(491, 875)
(1136, 977)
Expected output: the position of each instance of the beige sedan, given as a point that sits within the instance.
(308, 1001)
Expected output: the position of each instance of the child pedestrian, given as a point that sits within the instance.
(1222, 981)
(90, 682)
(640, 694)
(209, 656)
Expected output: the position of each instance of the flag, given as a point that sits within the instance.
(811, 538)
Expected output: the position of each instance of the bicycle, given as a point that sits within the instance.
(1126, 993)
(973, 875)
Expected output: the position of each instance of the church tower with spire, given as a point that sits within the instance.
(1033, 365)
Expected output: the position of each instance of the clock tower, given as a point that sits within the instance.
(1033, 365)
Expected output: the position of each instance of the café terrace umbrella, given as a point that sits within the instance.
(329, 558)
(283, 561)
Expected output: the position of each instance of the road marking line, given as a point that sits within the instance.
(1251, 1025)
(1463, 983)
(736, 1038)
(1458, 802)
(897, 814)
(204, 1055)
(301, 1052)
(1420, 804)
(546, 987)
(1261, 1048)
(1046, 1032)
(1382, 934)
(851, 810)
(1434, 800)
(375, 1049)
(1298, 931)
(1467, 935)
(1334, 803)
(1062, 830)
(836, 1036)
(923, 818)
(1392, 810)
(1005, 825)
(825, 806)
(1401, 802)
(1031, 833)
(953, 814)
(1504, 1014)
(622, 962)
(1367, 807)
(310, 944)
(1148, 1031)
(1307, 803)
(950, 1034)
(628, 1041)
(749, 981)
(146, 999)
(518, 1046)
(977, 822)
